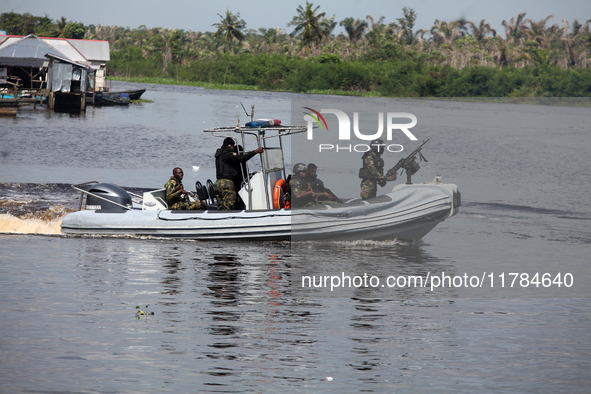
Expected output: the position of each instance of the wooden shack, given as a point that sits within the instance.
(24, 67)
(66, 83)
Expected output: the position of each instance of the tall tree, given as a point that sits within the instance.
(46, 27)
(231, 27)
(514, 29)
(538, 31)
(61, 24)
(328, 25)
(444, 32)
(74, 30)
(355, 28)
(575, 39)
(309, 23)
(480, 32)
(377, 30)
(406, 24)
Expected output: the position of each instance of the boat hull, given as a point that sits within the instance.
(133, 95)
(409, 212)
(269, 225)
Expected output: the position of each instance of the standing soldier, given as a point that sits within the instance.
(372, 172)
(228, 164)
(176, 194)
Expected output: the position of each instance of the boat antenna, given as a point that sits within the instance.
(244, 108)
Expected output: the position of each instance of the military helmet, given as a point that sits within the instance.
(299, 168)
(376, 145)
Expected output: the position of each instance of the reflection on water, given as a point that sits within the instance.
(225, 318)
(228, 316)
(358, 262)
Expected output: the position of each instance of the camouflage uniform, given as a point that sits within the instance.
(174, 198)
(373, 166)
(229, 165)
(300, 185)
(318, 188)
(225, 193)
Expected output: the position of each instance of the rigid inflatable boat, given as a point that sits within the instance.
(408, 212)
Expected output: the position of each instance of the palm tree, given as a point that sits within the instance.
(479, 32)
(309, 24)
(515, 28)
(444, 33)
(231, 27)
(328, 25)
(573, 40)
(377, 30)
(354, 28)
(542, 34)
(168, 36)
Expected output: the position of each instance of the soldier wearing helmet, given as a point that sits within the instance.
(319, 188)
(372, 172)
(312, 178)
(302, 194)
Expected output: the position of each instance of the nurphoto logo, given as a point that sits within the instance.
(392, 120)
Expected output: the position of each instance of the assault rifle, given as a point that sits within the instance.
(409, 164)
(323, 189)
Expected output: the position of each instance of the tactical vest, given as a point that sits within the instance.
(364, 172)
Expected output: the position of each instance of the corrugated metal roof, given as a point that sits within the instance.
(28, 51)
(92, 52)
(7, 40)
(68, 50)
(66, 60)
(93, 49)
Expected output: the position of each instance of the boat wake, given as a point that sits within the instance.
(45, 222)
(361, 243)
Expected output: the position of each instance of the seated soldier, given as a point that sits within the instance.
(318, 187)
(302, 194)
(176, 195)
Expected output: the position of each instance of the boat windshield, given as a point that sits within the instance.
(273, 159)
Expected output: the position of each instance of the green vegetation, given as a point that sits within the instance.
(138, 101)
(74, 30)
(406, 77)
(41, 26)
(139, 313)
(451, 59)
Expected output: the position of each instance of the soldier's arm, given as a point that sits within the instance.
(241, 157)
(297, 192)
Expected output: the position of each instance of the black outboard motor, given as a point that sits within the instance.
(109, 192)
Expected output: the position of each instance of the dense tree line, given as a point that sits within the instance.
(41, 26)
(452, 58)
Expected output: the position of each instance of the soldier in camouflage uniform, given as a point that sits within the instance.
(372, 172)
(225, 193)
(318, 187)
(229, 166)
(302, 194)
(175, 193)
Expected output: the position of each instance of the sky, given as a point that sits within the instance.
(199, 15)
